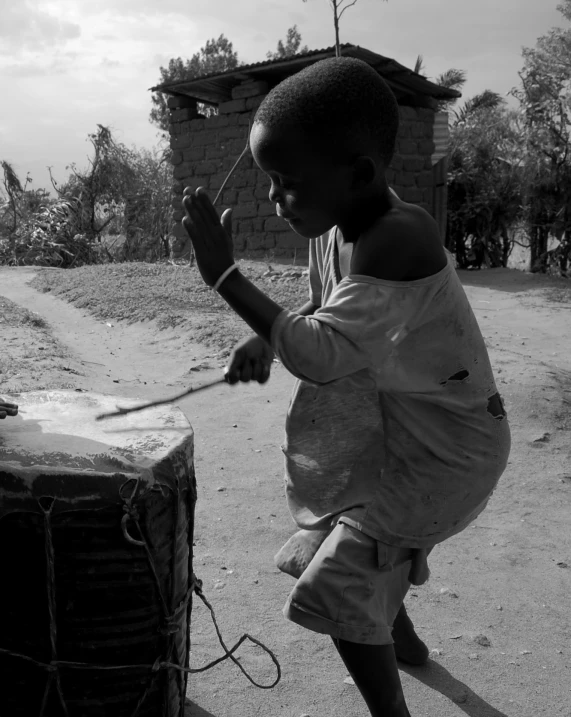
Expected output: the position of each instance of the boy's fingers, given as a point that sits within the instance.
(187, 191)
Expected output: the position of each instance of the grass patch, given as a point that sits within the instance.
(173, 296)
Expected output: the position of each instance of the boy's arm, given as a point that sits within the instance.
(253, 306)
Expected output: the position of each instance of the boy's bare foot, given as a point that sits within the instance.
(408, 646)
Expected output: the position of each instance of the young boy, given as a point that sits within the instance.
(396, 435)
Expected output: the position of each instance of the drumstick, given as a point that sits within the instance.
(123, 411)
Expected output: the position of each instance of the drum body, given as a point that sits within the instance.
(96, 526)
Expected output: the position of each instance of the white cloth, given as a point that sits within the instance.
(395, 422)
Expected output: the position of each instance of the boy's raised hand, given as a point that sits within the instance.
(7, 409)
(211, 237)
(251, 360)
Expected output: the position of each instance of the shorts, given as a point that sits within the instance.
(353, 588)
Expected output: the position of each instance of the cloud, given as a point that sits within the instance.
(26, 26)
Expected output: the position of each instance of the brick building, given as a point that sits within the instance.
(205, 149)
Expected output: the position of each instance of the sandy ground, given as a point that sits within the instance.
(496, 609)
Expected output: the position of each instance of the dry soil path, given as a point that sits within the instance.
(496, 610)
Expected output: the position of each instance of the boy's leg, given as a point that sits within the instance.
(408, 646)
(374, 670)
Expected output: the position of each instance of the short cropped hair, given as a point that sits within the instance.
(341, 100)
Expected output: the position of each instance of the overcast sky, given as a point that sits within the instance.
(66, 65)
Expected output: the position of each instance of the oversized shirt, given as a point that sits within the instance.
(395, 423)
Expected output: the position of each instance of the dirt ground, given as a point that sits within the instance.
(495, 612)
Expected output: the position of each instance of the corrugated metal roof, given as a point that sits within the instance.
(441, 136)
(217, 87)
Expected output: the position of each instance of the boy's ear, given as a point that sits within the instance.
(364, 172)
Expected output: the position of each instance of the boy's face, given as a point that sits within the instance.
(311, 191)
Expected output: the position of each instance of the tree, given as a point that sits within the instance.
(290, 47)
(544, 94)
(216, 56)
(452, 79)
(484, 181)
(338, 10)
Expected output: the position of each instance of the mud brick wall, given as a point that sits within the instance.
(205, 149)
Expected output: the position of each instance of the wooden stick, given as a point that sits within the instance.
(123, 411)
(236, 163)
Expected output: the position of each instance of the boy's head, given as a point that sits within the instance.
(324, 136)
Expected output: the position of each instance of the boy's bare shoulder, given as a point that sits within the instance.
(404, 245)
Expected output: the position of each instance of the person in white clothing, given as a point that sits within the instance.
(396, 435)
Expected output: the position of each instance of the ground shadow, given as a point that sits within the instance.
(193, 710)
(515, 281)
(438, 678)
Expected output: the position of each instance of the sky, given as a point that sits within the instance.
(68, 65)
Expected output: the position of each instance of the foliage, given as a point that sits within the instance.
(216, 56)
(544, 94)
(484, 181)
(291, 47)
(127, 189)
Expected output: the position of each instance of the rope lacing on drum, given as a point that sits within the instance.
(170, 624)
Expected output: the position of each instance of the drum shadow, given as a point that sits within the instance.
(438, 678)
(193, 710)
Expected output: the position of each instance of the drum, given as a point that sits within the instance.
(96, 525)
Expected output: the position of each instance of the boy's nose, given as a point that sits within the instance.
(275, 194)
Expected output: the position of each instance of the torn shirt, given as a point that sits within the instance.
(395, 422)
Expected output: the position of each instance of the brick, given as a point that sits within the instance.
(397, 162)
(291, 240)
(428, 130)
(404, 130)
(262, 192)
(417, 130)
(203, 181)
(197, 124)
(216, 152)
(258, 224)
(194, 154)
(233, 119)
(248, 210)
(230, 196)
(177, 188)
(265, 209)
(427, 195)
(246, 195)
(249, 89)
(206, 167)
(183, 171)
(424, 179)
(181, 141)
(407, 113)
(428, 163)
(176, 157)
(405, 179)
(216, 180)
(218, 121)
(233, 133)
(205, 138)
(412, 194)
(244, 119)
(246, 226)
(408, 146)
(252, 103)
(176, 203)
(178, 215)
(180, 101)
(426, 115)
(233, 106)
(245, 178)
(413, 164)
(426, 146)
(186, 127)
(174, 129)
(181, 115)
